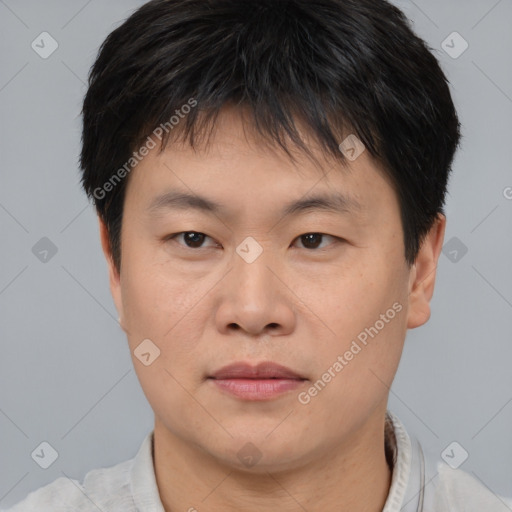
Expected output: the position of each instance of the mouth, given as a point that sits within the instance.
(262, 382)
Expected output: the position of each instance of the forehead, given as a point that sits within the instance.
(237, 168)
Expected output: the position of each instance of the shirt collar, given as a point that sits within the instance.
(405, 492)
(143, 479)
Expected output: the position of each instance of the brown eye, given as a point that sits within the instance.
(313, 240)
(192, 239)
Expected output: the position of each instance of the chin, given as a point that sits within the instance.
(260, 453)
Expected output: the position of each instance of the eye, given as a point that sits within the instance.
(312, 240)
(195, 239)
(192, 239)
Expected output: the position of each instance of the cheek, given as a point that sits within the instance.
(163, 304)
(354, 297)
(354, 373)
(366, 310)
(162, 310)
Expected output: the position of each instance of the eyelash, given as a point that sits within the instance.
(175, 235)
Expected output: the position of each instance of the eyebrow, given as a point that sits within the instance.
(176, 200)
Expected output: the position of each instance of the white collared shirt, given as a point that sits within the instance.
(418, 484)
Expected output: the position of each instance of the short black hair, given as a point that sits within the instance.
(339, 66)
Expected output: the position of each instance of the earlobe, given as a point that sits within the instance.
(114, 277)
(423, 274)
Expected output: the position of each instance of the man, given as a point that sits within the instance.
(269, 178)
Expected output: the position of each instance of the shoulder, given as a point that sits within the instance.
(106, 489)
(455, 490)
(433, 485)
(56, 496)
(460, 487)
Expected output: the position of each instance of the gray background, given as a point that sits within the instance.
(66, 374)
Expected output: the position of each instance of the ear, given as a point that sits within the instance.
(114, 276)
(423, 274)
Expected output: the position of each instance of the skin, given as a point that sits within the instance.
(295, 305)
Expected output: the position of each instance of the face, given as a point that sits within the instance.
(324, 292)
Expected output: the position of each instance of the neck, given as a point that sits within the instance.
(353, 477)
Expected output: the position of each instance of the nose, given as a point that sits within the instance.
(255, 299)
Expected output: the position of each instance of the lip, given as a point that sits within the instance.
(264, 370)
(264, 381)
